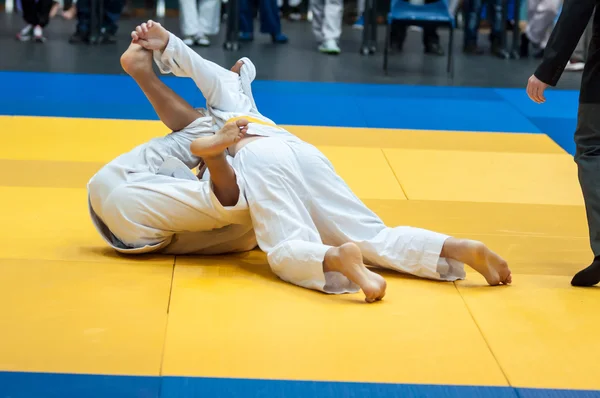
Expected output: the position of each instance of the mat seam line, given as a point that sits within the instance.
(529, 120)
(394, 173)
(162, 355)
(485, 339)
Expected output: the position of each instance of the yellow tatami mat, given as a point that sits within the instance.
(70, 304)
(251, 333)
(83, 317)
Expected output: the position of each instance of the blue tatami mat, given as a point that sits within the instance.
(301, 103)
(52, 385)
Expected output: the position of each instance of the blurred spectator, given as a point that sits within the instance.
(577, 61)
(431, 40)
(199, 19)
(541, 15)
(290, 9)
(269, 20)
(69, 10)
(36, 15)
(360, 21)
(112, 13)
(472, 17)
(327, 24)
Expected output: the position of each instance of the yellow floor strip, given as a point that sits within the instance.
(82, 317)
(99, 140)
(543, 332)
(53, 224)
(425, 139)
(486, 176)
(233, 318)
(515, 219)
(539, 255)
(366, 171)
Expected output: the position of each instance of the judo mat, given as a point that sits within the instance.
(78, 320)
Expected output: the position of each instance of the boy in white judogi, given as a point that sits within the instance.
(314, 230)
(148, 200)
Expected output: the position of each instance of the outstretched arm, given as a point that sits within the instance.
(220, 87)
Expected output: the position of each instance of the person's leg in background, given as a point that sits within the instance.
(472, 17)
(541, 17)
(209, 12)
(30, 17)
(496, 18)
(82, 32)
(293, 11)
(577, 61)
(247, 12)
(327, 24)
(189, 21)
(431, 41)
(37, 15)
(360, 21)
(270, 22)
(112, 14)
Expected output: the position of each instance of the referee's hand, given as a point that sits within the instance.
(535, 89)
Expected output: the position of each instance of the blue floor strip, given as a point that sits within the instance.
(53, 385)
(301, 103)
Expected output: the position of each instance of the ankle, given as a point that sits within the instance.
(331, 262)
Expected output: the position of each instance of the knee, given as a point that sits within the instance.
(99, 188)
(123, 213)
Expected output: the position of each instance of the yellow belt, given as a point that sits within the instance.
(252, 120)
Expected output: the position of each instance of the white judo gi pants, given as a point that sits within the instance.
(200, 17)
(148, 200)
(300, 208)
(327, 19)
(541, 15)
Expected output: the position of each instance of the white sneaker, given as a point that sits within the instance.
(189, 41)
(329, 47)
(575, 66)
(202, 40)
(38, 34)
(25, 33)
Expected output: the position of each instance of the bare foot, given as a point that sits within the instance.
(151, 35)
(347, 260)
(215, 144)
(237, 67)
(477, 255)
(136, 60)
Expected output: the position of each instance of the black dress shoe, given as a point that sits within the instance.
(434, 49)
(473, 49)
(500, 52)
(106, 38)
(589, 276)
(79, 37)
